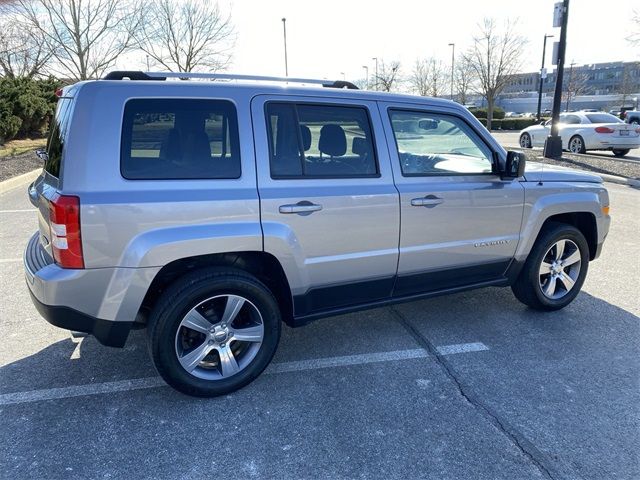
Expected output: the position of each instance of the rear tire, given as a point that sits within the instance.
(620, 152)
(576, 144)
(547, 282)
(525, 140)
(195, 331)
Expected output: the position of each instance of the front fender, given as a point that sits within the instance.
(555, 198)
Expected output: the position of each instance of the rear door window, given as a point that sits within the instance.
(170, 139)
(320, 141)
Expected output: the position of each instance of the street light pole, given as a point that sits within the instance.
(343, 77)
(453, 57)
(286, 66)
(376, 60)
(366, 69)
(544, 50)
(553, 143)
(569, 86)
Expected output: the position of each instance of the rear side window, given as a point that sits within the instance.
(603, 118)
(320, 141)
(172, 139)
(58, 131)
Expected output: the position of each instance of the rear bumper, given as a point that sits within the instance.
(618, 143)
(112, 334)
(103, 302)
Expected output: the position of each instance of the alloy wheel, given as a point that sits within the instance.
(575, 145)
(219, 337)
(560, 269)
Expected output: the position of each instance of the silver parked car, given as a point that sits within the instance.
(209, 212)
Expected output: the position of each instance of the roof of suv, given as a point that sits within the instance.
(276, 86)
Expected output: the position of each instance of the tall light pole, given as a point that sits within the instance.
(343, 77)
(569, 85)
(542, 75)
(366, 69)
(553, 143)
(453, 59)
(286, 66)
(376, 60)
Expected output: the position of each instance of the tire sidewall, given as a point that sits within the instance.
(525, 135)
(167, 321)
(540, 249)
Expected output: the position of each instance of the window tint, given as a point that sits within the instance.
(180, 139)
(320, 141)
(603, 118)
(59, 130)
(433, 144)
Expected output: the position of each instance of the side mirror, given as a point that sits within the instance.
(514, 167)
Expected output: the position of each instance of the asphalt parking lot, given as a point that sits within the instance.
(472, 385)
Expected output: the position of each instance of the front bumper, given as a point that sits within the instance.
(77, 299)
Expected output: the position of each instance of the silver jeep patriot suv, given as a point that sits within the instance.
(209, 211)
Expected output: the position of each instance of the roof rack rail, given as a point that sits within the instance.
(139, 75)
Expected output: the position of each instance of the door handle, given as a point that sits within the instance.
(301, 208)
(429, 201)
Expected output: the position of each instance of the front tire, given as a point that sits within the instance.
(555, 269)
(620, 152)
(576, 144)
(214, 331)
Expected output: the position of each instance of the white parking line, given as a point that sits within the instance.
(346, 360)
(19, 211)
(462, 348)
(10, 260)
(297, 366)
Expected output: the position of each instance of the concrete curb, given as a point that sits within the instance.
(632, 182)
(20, 180)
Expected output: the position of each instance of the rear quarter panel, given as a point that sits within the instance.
(149, 223)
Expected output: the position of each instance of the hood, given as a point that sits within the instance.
(535, 172)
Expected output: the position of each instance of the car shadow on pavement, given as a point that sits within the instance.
(491, 316)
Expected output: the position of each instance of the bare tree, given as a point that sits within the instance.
(628, 85)
(388, 76)
(634, 37)
(496, 54)
(428, 77)
(187, 35)
(23, 52)
(464, 78)
(577, 84)
(85, 37)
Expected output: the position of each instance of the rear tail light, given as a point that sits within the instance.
(64, 224)
(604, 130)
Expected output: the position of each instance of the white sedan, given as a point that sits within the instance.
(582, 131)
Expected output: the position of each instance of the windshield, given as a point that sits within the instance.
(603, 118)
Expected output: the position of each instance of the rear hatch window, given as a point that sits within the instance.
(58, 132)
